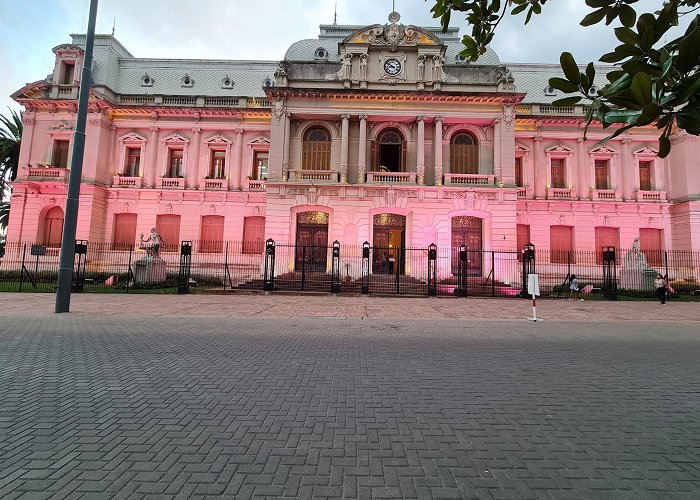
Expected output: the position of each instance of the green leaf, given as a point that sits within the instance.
(627, 16)
(568, 64)
(626, 35)
(567, 101)
(564, 85)
(621, 116)
(590, 72)
(664, 146)
(650, 112)
(688, 87)
(519, 9)
(596, 4)
(641, 88)
(594, 17)
(689, 120)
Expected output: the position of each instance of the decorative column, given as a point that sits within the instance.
(194, 170)
(420, 164)
(627, 176)
(362, 151)
(438, 150)
(540, 169)
(236, 173)
(285, 150)
(344, 148)
(583, 185)
(497, 151)
(152, 157)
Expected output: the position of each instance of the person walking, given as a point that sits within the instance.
(574, 292)
(660, 285)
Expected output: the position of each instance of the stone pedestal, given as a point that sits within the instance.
(637, 279)
(150, 270)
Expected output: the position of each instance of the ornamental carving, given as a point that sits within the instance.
(279, 107)
(313, 218)
(297, 191)
(329, 192)
(466, 222)
(393, 35)
(377, 193)
(486, 196)
(407, 194)
(389, 220)
(455, 194)
(63, 125)
(646, 150)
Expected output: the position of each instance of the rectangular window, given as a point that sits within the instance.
(68, 72)
(168, 226)
(558, 173)
(606, 237)
(175, 163)
(652, 246)
(253, 235)
(601, 174)
(645, 176)
(59, 156)
(133, 162)
(523, 238)
(561, 244)
(218, 164)
(260, 166)
(519, 172)
(212, 234)
(124, 235)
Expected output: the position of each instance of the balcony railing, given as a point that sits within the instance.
(651, 196)
(122, 181)
(391, 177)
(314, 175)
(561, 193)
(215, 184)
(469, 180)
(254, 185)
(606, 194)
(170, 183)
(524, 192)
(48, 173)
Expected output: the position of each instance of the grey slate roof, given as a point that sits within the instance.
(534, 78)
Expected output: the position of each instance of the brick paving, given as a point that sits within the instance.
(252, 396)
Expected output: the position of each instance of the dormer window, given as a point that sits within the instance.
(67, 72)
(226, 82)
(550, 91)
(267, 82)
(187, 81)
(321, 53)
(593, 91)
(146, 81)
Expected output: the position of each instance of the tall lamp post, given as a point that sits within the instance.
(65, 266)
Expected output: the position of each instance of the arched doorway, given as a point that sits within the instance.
(389, 243)
(53, 227)
(391, 151)
(311, 241)
(467, 231)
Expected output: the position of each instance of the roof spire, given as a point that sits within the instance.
(335, 14)
(394, 16)
(114, 26)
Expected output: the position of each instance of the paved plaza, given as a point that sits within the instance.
(250, 396)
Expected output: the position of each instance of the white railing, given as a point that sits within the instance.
(215, 184)
(64, 90)
(221, 101)
(137, 99)
(258, 103)
(180, 101)
(560, 193)
(391, 177)
(253, 185)
(523, 109)
(123, 181)
(469, 180)
(170, 183)
(48, 172)
(606, 194)
(314, 175)
(522, 192)
(651, 196)
(557, 110)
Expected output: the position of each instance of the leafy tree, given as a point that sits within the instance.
(10, 138)
(653, 82)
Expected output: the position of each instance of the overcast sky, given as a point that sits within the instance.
(256, 29)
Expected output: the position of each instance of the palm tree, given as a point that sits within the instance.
(10, 139)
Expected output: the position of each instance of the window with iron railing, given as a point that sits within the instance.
(645, 176)
(519, 172)
(316, 149)
(464, 154)
(133, 162)
(59, 155)
(217, 169)
(601, 174)
(557, 173)
(174, 163)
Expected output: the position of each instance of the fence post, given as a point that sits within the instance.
(129, 272)
(335, 268)
(432, 270)
(609, 273)
(269, 278)
(183, 277)
(303, 267)
(493, 273)
(79, 252)
(21, 274)
(462, 271)
(666, 264)
(365, 267)
(528, 266)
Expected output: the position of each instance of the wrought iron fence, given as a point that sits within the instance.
(352, 269)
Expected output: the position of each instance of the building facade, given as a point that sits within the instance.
(378, 134)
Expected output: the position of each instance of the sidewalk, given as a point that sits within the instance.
(244, 305)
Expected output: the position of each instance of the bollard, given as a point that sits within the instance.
(335, 267)
(269, 277)
(462, 271)
(528, 253)
(183, 276)
(609, 273)
(365, 267)
(432, 270)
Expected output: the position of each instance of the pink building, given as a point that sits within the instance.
(377, 133)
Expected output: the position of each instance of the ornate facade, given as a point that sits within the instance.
(378, 133)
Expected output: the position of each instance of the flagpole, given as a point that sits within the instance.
(65, 267)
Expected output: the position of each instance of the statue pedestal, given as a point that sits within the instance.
(637, 279)
(150, 270)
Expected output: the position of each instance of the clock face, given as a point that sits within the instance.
(392, 67)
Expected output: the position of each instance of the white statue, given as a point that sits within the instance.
(421, 67)
(152, 250)
(437, 67)
(346, 69)
(363, 66)
(634, 258)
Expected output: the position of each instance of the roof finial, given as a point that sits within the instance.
(114, 26)
(335, 14)
(394, 16)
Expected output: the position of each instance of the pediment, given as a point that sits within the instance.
(132, 137)
(260, 140)
(519, 148)
(559, 148)
(176, 138)
(392, 35)
(217, 139)
(646, 150)
(603, 150)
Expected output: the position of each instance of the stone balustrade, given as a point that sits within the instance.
(606, 194)
(122, 181)
(314, 175)
(254, 185)
(215, 184)
(170, 183)
(391, 177)
(48, 172)
(561, 193)
(651, 196)
(470, 180)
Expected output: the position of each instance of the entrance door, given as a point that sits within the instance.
(467, 231)
(311, 242)
(389, 244)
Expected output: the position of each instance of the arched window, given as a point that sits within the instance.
(389, 152)
(464, 154)
(53, 227)
(316, 150)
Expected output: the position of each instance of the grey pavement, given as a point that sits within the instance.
(250, 396)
